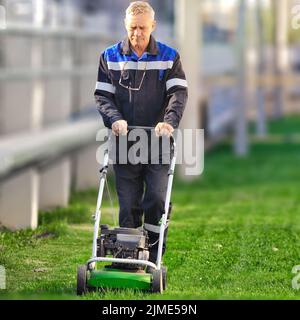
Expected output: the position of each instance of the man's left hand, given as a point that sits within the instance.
(164, 129)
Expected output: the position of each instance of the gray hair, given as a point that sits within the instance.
(140, 7)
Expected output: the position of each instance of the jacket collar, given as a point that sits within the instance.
(151, 49)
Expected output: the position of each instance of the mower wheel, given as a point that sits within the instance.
(164, 276)
(82, 280)
(157, 281)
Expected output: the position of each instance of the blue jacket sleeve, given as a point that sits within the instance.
(177, 94)
(105, 95)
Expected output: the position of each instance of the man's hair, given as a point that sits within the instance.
(140, 7)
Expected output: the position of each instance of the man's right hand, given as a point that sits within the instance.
(119, 128)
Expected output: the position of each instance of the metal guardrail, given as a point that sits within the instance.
(31, 148)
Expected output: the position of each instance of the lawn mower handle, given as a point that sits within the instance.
(140, 127)
(163, 224)
(148, 129)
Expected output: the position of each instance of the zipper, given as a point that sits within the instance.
(130, 93)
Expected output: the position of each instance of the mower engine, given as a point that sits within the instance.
(123, 243)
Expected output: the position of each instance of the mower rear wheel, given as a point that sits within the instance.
(82, 280)
(157, 281)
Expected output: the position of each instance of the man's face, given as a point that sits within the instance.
(139, 29)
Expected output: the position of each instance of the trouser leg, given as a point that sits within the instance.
(129, 185)
(156, 179)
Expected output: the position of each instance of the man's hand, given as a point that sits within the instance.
(119, 128)
(164, 129)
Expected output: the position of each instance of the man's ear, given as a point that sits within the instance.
(153, 25)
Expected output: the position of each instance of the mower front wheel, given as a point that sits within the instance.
(157, 281)
(82, 280)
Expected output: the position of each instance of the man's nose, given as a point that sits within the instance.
(137, 32)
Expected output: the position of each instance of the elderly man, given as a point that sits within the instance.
(141, 83)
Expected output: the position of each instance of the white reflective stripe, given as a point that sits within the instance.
(140, 65)
(176, 82)
(152, 228)
(106, 87)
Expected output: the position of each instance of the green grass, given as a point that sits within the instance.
(234, 234)
(285, 127)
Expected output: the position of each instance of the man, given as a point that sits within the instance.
(141, 83)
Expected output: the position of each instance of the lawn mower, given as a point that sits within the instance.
(127, 249)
